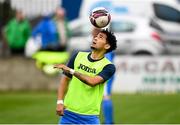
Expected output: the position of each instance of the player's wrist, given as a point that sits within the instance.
(72, 71)
(60, 102)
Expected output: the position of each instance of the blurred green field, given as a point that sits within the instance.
(39, 107)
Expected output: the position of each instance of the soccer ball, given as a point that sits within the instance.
(100, 17)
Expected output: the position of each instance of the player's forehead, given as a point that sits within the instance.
(102, 35)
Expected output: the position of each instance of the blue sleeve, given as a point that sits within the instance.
(70, 64)
(38, 29)
(107, 72)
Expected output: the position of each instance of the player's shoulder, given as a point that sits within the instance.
(110, 68)
(78, 53)
(108, 61)
(109, 64)
(83, 53)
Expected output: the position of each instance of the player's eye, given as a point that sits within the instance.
(100, 36)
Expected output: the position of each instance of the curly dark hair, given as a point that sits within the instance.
(111, 39)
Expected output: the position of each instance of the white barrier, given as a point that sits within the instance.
(147, 74)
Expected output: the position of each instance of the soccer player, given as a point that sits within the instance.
(107, 104)
(81, 87)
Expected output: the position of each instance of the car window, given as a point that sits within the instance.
(120, 26)
(167, 13)
(82, 30)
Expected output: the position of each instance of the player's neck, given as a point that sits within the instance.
(95, 55)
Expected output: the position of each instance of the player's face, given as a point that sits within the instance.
(99, 42)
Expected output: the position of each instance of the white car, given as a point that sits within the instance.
(168, 21)
(134, 36)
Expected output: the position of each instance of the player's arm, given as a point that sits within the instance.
(89, 80)
(61, 94)
(63, 87)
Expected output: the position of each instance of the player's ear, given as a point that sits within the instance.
(107, 46)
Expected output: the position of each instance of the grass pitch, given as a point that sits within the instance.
(39, 107)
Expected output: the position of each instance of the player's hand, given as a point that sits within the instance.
(63, 67)
(60, 109)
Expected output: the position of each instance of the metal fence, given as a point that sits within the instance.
(31, 8)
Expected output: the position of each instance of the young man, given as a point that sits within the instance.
(107, 105)
(81, 87)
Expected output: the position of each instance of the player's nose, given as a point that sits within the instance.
(95, 38)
